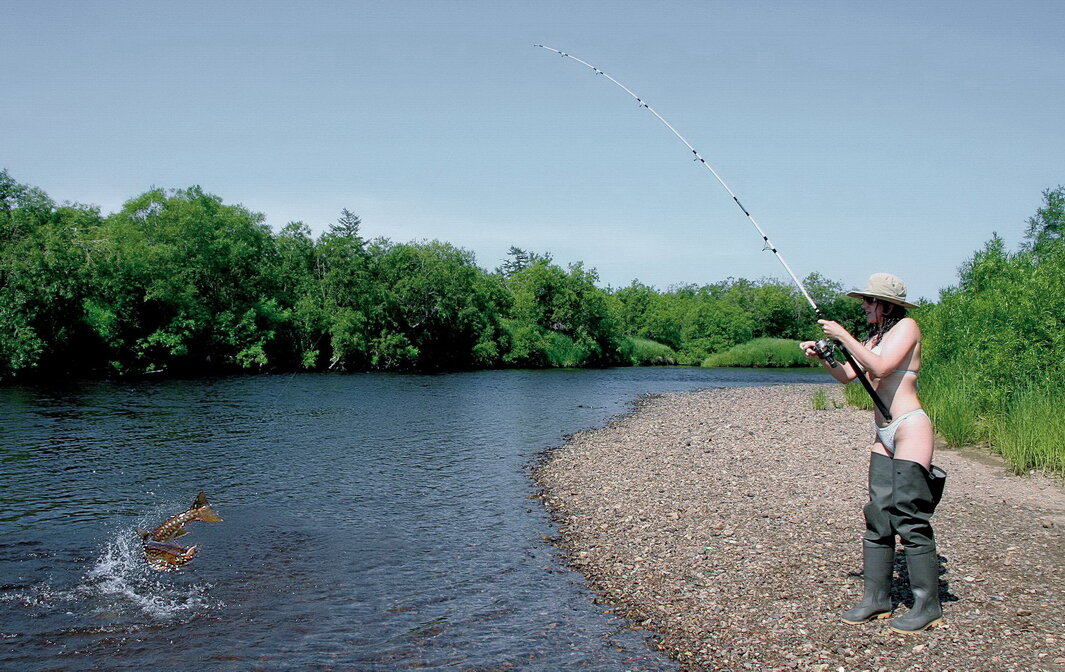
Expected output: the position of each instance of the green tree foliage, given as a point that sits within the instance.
(1046, 229)
(342, 303)
(180, 283)
(178, 280)
(999, 333)
(45, 253)
(558, 317)
(696, 322)
(439, 310)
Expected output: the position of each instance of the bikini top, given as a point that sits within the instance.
(876, 351)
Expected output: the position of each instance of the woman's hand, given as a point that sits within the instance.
(833, 330)
(809, 348)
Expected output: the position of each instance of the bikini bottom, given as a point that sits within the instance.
(886, 434)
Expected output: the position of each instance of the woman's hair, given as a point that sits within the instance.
(892, 314)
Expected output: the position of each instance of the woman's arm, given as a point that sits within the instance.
(896, 346)
(843, 372)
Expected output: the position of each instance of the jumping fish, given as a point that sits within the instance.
(174, 526)
(163, 555)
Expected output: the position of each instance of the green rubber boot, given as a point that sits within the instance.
(915, 495)
(923, 564)
(878, 563)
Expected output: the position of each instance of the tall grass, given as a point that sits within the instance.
(1029, 436)
(645, 352)
(950, 397)
(762, 353)
(564, 352)
(856, 396)
(1026, 430)
(819, 400)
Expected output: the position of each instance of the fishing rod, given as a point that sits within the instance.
(823, 347)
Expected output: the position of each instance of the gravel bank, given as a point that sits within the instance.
(728, 523)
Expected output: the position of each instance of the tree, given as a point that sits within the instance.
(559, 317)
(46, 253)
(1047, 226)
(182, 284)
(349, 298)
(634, 302)
(438, 309)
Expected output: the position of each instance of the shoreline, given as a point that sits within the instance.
(727, 523)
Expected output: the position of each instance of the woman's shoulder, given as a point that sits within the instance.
(905, 328)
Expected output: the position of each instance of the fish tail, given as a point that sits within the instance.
(205, 514)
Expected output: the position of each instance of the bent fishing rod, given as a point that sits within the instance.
(823, 348)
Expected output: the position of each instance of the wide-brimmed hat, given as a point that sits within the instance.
(886, 287)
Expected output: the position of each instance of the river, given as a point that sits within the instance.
(371, 522)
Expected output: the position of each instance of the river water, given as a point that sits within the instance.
(371, 522)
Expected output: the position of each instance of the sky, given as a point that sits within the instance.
(862, 136)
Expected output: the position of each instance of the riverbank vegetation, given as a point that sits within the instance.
(762, 353)
(180, 281)
(994, 346)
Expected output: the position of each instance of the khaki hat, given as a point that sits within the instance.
(886, 287)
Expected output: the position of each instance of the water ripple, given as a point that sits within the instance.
(373, 522)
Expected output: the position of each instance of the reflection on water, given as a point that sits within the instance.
(373, 522)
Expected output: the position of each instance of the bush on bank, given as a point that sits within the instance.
(763, 353)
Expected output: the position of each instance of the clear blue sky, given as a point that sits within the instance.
(863, 136)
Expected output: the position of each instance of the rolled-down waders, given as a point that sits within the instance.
(903, 495)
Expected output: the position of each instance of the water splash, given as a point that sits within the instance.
(120, 584)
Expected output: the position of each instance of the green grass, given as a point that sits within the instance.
(645, 352)
(1030, 434)
(762, 353)
(819, 400)
(856, 396)
(948, 396)
(1027, 430)
(564, 352)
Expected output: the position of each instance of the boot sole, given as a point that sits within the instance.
(938, 621)
(874, 617)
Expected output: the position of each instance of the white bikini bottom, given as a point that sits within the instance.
(886, 434)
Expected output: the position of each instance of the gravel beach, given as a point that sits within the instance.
(728, 524)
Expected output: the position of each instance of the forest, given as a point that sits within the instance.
(181, 282)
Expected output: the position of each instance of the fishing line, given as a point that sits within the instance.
(768, 243)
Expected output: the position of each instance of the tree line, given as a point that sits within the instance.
(179, 281)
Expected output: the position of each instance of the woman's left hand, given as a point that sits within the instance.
(832, 329)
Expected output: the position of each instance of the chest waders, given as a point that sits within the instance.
(902, 498)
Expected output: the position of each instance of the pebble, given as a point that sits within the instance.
(730, 558)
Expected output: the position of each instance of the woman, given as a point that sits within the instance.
(904, 487)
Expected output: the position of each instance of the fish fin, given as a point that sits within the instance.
(143, 534)
(181, 532)
(200, 501)
(207, 515)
